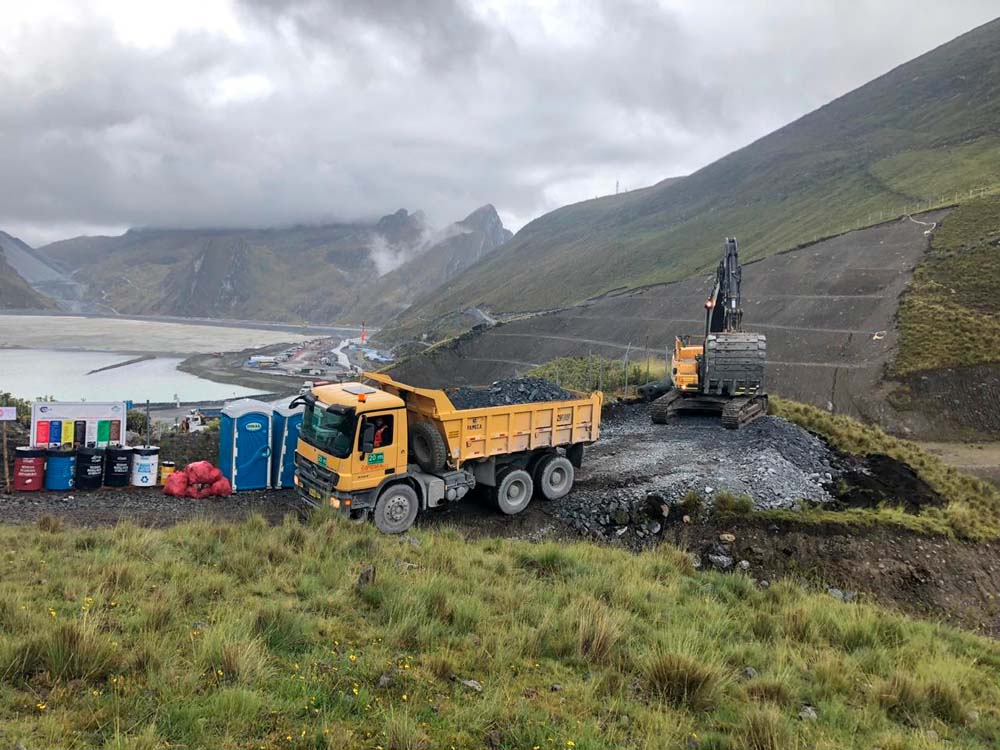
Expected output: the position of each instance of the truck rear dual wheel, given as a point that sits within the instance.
(513, 491)
(396, 509)
(554, 477)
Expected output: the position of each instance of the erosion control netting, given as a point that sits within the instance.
(503, 392)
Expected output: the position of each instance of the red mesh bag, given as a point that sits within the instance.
(198, 491)
(221, 487)
(201, 472)
(176, 484)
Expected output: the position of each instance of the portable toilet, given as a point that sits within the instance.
(245, 444)
(284, 438)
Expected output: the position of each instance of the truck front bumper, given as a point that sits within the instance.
(317, 486)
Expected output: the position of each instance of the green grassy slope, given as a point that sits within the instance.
(923, 131)
(950, 314)
(244, 636)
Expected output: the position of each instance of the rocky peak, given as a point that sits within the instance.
(486, 221)
(402, 227)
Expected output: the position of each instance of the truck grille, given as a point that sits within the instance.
(315, 476)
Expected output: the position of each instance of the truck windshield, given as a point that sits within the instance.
(328, 431)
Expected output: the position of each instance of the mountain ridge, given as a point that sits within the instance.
(921, 130)
(324, 273)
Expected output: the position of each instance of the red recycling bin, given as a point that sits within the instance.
(29, 469)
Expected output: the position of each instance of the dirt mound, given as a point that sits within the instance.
(878, 479)
(503, 392)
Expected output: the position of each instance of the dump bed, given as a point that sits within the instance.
(473, 434)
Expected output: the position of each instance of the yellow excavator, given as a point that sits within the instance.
(722, 372)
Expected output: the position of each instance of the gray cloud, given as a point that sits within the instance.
(319, 111)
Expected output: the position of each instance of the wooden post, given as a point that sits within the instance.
(627, 350)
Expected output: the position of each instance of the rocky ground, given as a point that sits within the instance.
(142, 506)
(639, 472)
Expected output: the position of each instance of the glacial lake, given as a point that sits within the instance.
(33, 373)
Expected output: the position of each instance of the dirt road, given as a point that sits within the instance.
(978, 459)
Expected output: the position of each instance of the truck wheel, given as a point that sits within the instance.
(396, 509)
(427, 447)
(513, 491)
(554, 477)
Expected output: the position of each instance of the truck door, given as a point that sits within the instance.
(389, 447)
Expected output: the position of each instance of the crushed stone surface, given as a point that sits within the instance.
(638, 469)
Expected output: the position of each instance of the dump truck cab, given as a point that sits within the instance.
(390, 452)
(352, 438)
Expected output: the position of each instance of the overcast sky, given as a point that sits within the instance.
(118, 113)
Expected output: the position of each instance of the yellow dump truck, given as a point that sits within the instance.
(392, 451)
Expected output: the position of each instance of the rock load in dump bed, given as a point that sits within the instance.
(503, 392)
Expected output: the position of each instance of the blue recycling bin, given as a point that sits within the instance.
(245, 444)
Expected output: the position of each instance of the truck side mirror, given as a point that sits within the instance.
(367, 437)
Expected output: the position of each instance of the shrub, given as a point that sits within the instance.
(691, 503)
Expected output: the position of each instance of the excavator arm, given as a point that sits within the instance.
(723, 313)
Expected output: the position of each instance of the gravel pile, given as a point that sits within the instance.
(503, 392)
(633, 480)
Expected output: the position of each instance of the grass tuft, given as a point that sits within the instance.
(547, 560)
(281, 629)
(598, 631)
(764, 729)
(50, 524)
(682, 680)
(403, 733)
(727, 504)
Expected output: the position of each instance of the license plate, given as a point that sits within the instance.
(315, 494)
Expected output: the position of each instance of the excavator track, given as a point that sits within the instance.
(742, 411)
(662, 408)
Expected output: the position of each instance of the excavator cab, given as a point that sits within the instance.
(721, 373)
